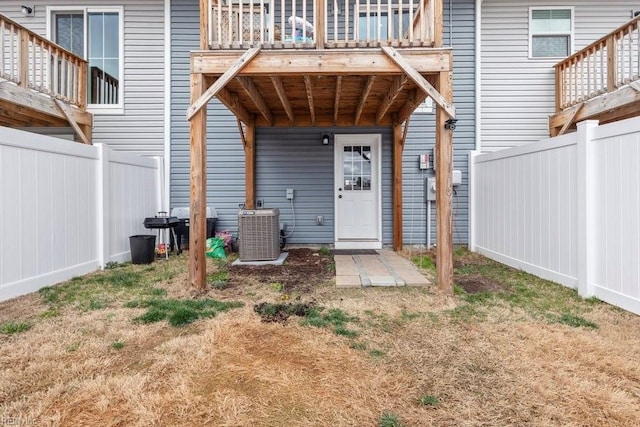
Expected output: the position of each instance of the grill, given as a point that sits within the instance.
(162, 223)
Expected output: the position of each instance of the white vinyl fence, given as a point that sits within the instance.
(566, 209)
(67, 209)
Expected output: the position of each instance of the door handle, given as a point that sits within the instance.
(340, 196)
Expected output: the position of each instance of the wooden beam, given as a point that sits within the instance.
(405, 131)
(309, 88)
(230, 100)
(250, 166)
(570, 120)
(420, 81)
(43, 104)
(394, 90)
(204, 24)
(242, 134)
(444, 191)
(253, 92)
(23, 36)
(336, 100)
(228, 75)
(330, 62)
(438, 19)
(397, 186)
(363, 98)
(320, 12)
(284, 99)
(72, 122)
(612, 63)
(415, 98)
(198, 174)
(595, 107)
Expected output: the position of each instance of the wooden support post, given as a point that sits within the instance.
(397, 185)
(437, 20)
(444, 191)
(78, 130)
(198, 214)
(204, 24)
(612, 63)
(24, 57)
(321, 18)
(250, 165)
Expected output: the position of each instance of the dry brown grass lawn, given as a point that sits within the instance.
(487, 360)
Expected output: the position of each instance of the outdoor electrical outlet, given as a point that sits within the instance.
(289, 193)
(259, 203)
(320, 220)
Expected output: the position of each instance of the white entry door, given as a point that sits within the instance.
(357, 192)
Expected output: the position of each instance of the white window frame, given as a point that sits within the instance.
(569, 33)
(425, 106)
(97, 108)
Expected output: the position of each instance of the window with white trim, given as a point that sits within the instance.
(94, 34)
(425, 106)
(550, 32)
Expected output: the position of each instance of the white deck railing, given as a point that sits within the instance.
(599, 68)
(342, 23)
(34, 62)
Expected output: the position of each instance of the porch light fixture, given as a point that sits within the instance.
(450, 124)
(28, 11)
(325, 139)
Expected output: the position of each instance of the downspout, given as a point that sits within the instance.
(478, 75)
(166, 205)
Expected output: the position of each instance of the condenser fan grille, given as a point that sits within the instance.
(259, 232)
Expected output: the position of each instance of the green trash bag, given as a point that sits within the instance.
(215, 248)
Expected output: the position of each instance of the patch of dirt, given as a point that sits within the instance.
(303, 270)
(280, 313)
(477, 284)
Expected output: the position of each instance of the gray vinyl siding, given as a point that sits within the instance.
(295, 158)
(141, 128)
(518, 93)
(225, 156)
(459, 33)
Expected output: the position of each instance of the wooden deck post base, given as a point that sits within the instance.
(198, 214)
(444, 190)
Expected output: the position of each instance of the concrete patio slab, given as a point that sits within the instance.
(385, 268)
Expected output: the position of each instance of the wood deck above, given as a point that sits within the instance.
(337, 87)
(600, 82)
(41, 83)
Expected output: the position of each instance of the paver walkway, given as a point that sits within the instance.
(385, 268)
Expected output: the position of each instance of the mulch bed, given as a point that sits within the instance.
(303, 270)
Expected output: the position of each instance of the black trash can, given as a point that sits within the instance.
(143, 248)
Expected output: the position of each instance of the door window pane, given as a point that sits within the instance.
(356, 167)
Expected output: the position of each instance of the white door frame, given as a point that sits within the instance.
(375, 140)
